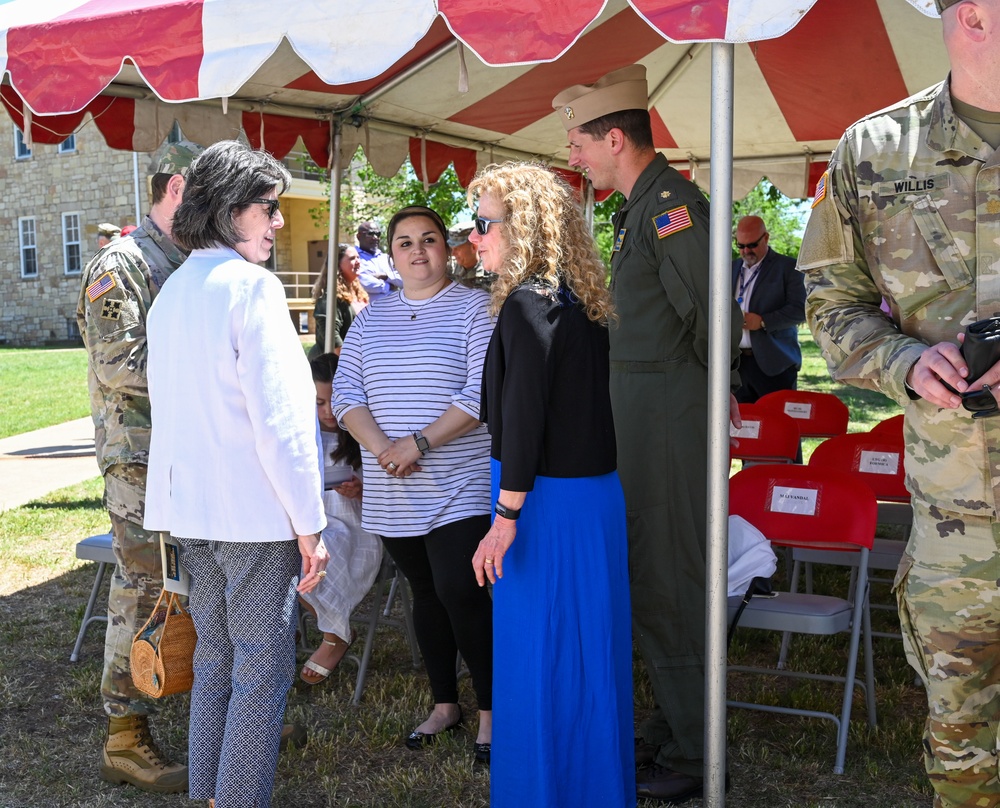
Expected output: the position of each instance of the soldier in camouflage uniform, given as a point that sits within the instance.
(909, 210)
(465, 266)
(119, 284)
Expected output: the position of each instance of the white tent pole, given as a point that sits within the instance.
(720, 306)
(135, 182)
(331, 240)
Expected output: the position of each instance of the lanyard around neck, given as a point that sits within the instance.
(745, 283)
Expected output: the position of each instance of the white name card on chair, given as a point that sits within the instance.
(879, 462)
(799, 409)
(785, 499)
(750, 430)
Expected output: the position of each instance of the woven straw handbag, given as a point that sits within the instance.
(163, 649)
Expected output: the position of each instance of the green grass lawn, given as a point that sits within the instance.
(41, 387)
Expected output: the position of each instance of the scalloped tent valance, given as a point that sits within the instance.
(473, 80)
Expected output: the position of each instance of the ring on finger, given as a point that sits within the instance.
(392, 467)
(321, 574)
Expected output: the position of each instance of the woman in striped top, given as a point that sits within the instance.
(408, 388)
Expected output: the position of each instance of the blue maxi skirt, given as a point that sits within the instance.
(563, 730)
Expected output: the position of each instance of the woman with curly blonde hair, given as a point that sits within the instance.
(562, 684)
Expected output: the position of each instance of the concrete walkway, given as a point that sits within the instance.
(35, 463)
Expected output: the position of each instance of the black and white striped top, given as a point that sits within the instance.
(407, 371)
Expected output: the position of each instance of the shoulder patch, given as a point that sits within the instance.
(111, 310)
(820, 194)
(672, 221)
(101, 286)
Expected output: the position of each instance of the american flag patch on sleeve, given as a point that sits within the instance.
(102, 285)
(820, 189)
(672, 221)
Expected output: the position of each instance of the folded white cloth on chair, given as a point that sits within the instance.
(750, 555)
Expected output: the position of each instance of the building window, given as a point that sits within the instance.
(21, 150)
(29, 253)
(72, 255)
(68, 146)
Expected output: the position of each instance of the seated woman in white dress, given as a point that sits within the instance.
(355, 554)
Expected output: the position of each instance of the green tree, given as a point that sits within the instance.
(783, 217)
(364, 195)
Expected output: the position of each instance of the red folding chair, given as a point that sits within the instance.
(819, 415)
(808, 507)
(890, 428)
(767, 436)
(876, 458)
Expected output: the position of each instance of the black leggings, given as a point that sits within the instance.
(451, 612)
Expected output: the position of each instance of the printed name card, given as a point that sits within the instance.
(799, 409)
(785, 499)
(879, 462)
(750, 430)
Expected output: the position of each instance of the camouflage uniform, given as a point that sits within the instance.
(119, 284)
(474, 277)
(910, 211)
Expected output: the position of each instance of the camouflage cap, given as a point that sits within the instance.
(618, 90)
(941, 5)
(458, 234)
(108, 229)
(174, 158)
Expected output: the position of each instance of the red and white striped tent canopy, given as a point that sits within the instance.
(463, 81)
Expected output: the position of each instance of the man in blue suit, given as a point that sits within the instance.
(772, 295)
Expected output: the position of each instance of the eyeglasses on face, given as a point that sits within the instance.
(750, 245)
(272, 206)
(375, 233)
(483, 225)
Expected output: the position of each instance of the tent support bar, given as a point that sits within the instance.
(676, 72)
(332, 265)
(720, 307)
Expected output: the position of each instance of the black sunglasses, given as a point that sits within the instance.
(483, 225)
(750, 245)
(272, 206)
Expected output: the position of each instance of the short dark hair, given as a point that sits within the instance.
(634, 123)
(408, 213)
(220, 183)
(158, 184)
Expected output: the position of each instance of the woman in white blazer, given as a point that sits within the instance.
(234, 470)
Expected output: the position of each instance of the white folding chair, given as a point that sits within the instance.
(99, 549)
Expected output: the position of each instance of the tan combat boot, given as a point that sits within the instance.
(131, 756)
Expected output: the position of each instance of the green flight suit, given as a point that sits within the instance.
(659, 393)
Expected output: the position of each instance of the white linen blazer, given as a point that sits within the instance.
(233, 453)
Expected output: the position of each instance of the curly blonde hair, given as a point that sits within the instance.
(546, 236)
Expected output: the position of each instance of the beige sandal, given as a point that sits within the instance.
(315, 667)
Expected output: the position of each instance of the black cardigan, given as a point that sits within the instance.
(545, 390)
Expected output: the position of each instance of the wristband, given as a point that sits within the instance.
(421, 442)
(505, 512)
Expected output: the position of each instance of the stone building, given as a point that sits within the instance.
(55, 197)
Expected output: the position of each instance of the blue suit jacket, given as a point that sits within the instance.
(779, 297)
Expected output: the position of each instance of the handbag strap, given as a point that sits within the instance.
(152, 614)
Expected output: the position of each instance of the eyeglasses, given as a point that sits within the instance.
(375, 233)
(272, 206)
(483, 225)
(750, 245)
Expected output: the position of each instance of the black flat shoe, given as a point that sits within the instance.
(481, 753)
(418, 740)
